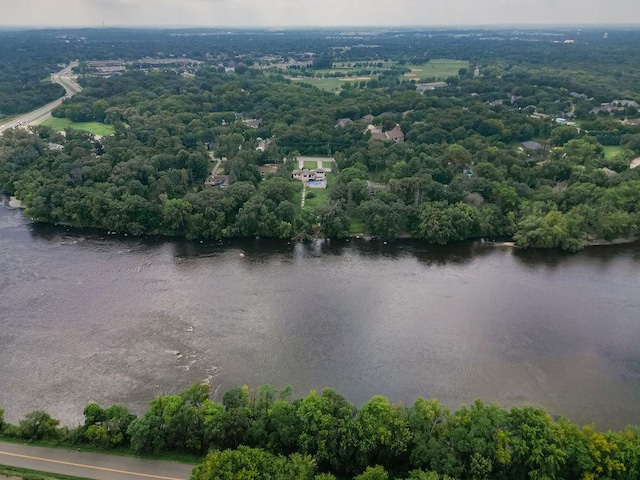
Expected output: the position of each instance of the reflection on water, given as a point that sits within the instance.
(88, 316)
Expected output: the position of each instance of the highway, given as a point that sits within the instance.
(91, 465)
(39, 115)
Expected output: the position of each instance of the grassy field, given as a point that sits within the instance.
(330, 165)
(439, 69)
(611, 151)
(92, 127)
(320, 196)
(309, 164)
(328, 84)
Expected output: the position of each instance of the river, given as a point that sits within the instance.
(86, 316)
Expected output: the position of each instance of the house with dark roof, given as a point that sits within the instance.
(343, 122)
(267, 169)
(263, 144)
(395, 134)
(218, 181)
(252, 122)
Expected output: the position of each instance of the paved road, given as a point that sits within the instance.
(39, 115)
(91, 465)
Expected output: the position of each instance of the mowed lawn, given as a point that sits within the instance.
(318, 198)
(439, 69)
(611, 151)
(328, 84)
(310, 165)
(96, 128)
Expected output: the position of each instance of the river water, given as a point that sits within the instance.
(86, 316)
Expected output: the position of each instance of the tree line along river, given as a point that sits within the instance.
(87, 316)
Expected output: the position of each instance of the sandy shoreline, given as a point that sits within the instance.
(14, 203)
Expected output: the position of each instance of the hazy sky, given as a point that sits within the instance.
(240, 13)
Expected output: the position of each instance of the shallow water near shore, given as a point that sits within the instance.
(86, 316)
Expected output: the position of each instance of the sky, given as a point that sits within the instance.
(308, 13)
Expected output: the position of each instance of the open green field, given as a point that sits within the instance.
(319, 197)
(310, 165)
(611, 151)
(439, 69)
(328, 84)
(435, 69)
(330, 165)
(96, 128)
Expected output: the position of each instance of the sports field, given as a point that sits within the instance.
(438, 69)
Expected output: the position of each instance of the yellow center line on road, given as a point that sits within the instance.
(104, 469)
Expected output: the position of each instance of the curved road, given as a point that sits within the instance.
(91, 465)
(39, 115)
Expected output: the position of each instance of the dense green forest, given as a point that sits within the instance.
(263, 434)
(461, 172)
(24, 74)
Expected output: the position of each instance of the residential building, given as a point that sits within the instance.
(306, 175)
(394, 134)
(342, 122)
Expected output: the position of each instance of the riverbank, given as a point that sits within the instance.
(615, 241)
(15, 203)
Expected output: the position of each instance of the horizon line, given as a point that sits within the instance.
(326, 27)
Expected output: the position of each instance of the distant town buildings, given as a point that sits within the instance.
(109, 68)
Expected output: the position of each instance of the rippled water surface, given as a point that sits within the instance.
(86, 316)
